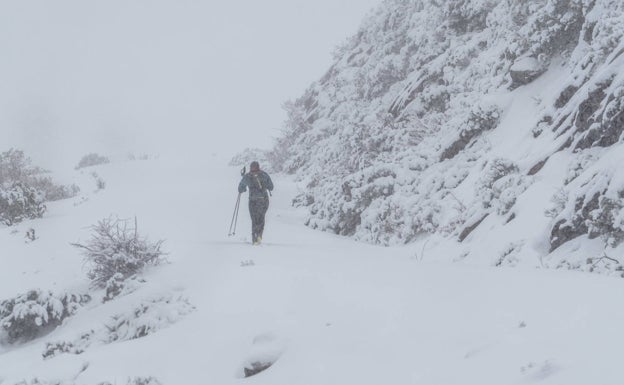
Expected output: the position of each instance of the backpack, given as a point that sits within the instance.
(255, 184)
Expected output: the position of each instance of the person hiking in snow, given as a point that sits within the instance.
(259, 184)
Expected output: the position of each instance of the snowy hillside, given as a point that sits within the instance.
(493, 125)
(316, 307)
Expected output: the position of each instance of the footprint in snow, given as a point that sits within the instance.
(248, 263)
(539, 371)
(265, 350)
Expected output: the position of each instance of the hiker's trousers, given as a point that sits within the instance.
(257, 209)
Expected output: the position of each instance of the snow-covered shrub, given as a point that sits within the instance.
(468, 15)
(146, 318)
(78, 346)
(90, 160)
(143, 381)
(39, 381)
(130, 381)
(24, 188)
(601, 121)
(559, 200)
(595, 207)
(19, 198)
(53, 192)
(32, 314)
(249, 155)
(15, 166)
(343, 213)
(115, 248)
(132, 157)
(480, 119)
(509, 255)
(119, 285)
(500, 185)
(577, 166)
(100, 184)
(19, 202)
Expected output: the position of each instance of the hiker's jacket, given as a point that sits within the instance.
(258, 183)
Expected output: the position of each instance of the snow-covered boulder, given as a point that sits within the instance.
(525, 70)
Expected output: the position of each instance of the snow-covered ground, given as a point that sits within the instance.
(324, 309)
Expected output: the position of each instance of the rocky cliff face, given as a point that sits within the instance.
(495, 125)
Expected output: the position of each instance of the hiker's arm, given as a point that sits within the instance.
(269, 183)
(242, 186)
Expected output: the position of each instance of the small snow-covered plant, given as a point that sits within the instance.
(137, 381)
(116, 247)
(143, 381)
(147, 317)
(559, 200)
(92, 159)
(19, 202)
(100, 183)
(38, 381)
(78, 346)
(32, 314)
(120, 285)
(500, 185)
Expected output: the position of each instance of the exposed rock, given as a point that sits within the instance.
(524, 71)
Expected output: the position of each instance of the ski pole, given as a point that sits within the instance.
(234, 217)
(236, 220)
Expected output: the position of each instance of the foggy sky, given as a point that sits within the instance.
(158, 76)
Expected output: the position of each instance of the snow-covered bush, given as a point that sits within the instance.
(15, 166)
(119, 285)
(146, 318)
(249, 155)
(510, 255)
(343, 213)
(24, 188)
(52, 191)
(116, 248)
(90, 160)
(32, 314)
(78, 346)
(595, 207)
(100, 183)
(143, 381)
(130, 381)
(19, 198)
(39, 381)
(468, 15)
(500, 185)
(480, 119)
(19, 202)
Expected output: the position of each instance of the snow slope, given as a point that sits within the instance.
(498, 124)
(326, 309)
